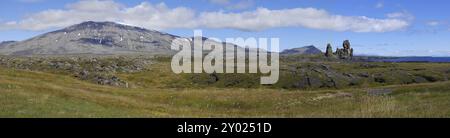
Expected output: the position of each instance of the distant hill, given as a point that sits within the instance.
(306, 50)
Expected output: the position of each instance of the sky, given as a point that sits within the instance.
(374, 27)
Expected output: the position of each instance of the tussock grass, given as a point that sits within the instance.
(38, 94)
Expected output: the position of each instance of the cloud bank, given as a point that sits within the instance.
(160, 17)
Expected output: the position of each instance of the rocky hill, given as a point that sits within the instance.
(306, 50)
(92, 38)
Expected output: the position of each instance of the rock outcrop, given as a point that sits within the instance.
(342, 53)
(329, 52)
(97, 69)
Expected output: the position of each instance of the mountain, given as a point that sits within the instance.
(306, 50)
(93, 38)
(99, 38)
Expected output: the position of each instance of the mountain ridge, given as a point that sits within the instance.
(305, 50)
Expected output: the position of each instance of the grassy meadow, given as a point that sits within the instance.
(159, 93)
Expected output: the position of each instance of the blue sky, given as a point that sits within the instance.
(374, 27)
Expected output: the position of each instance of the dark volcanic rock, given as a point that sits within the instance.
(313, 76)
(100, 70)
(418, 79)
(364, 74)
(379, 78)
(346, 52)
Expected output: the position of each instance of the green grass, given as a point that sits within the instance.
(39, 94)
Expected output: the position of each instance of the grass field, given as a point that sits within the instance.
(39, 94)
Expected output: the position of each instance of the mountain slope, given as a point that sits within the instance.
(306, 50)
(99, 38)
(93, 38)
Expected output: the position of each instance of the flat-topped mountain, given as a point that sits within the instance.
(93, 38)
(306, 50)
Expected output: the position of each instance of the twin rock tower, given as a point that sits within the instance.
(344, 53)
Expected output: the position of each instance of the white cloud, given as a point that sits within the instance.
(263, 18)
(379, 5)
(159, 16)
(146, 15)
